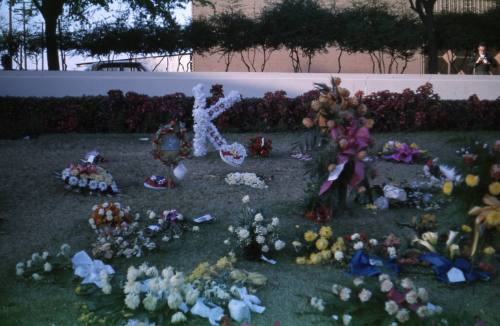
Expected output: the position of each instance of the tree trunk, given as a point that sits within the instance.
(51, 41)
(432, 49)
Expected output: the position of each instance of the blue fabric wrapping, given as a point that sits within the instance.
(360, 265)
(441, 266)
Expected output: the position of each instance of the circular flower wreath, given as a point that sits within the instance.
(260, 146)
(185, 150)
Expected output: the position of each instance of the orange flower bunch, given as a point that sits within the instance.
(109, 214)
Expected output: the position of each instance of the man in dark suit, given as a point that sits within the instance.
(484, 62)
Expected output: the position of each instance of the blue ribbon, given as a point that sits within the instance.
(441, 266)
(363, 265)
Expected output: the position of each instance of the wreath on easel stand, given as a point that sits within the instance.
(170, 145)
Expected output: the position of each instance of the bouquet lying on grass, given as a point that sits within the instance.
(322, 248)
(402, 152)
(169, 297)
(89, 177)
(382, 303)
(42, 264)
(255, 234)
(118, 234)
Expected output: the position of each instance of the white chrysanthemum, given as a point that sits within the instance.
(336, 289)
(177, 280)
(279, 245)
(386, 286)
(29, 263)
(407, 283)
(196, 228)
(346, 319)
(260, 239)
(339, 255)
(73, 181)
(65, 249)
(245, 199)
(317, 303)
(365, 295)
(132, 301)
(391, 307)
(243, 234)
(275, 221)
(357, 281)
(383, 277)
(82, 183)
(19, 265)
(132, 274)
(423, 312)
(45, 255)
(150, 302)
(20, 271)
(152, 272)
(230, 228)
(191, 296)
(411, 297)
(93, 185)
(47, 267)
(178, 317)
(174, 300)
(345, 294)
(258, 217)
(106, 288)
(167, 272)
(265, 248)
(358, 245)
(36, 276)
(391, 251)
(403, 315)
(36, 258)
(132, 287)
(423, 294)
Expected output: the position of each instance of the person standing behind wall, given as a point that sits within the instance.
(484, 62)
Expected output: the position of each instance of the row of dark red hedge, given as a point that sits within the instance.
(131, 112)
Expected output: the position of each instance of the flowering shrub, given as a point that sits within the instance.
(132, 112)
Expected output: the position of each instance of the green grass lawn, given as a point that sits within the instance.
(37, 214)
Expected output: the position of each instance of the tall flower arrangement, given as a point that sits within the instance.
(342, 164)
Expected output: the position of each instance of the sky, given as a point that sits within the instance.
(183, 16)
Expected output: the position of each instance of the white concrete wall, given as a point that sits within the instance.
(72, 83)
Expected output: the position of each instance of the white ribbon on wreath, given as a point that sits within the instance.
(204, 129)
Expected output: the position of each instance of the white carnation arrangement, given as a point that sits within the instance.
(383, 302)
(245, 178)
(40, 265)
(255, 234)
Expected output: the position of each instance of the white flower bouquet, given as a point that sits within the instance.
(255, 234)
(385, 302)
(245, 178)
(89, 177)
(42, 264)
(169, 297)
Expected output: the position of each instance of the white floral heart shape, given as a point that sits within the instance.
(233, 154)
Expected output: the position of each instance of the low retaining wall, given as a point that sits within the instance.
(77, 83)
